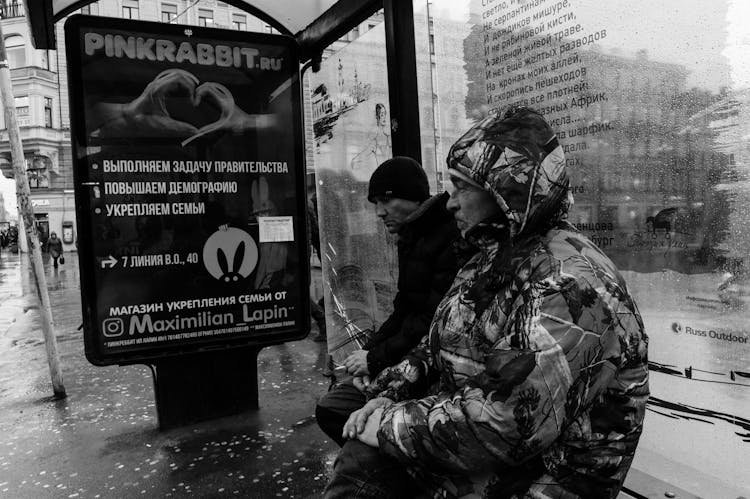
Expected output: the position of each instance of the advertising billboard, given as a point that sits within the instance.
(189, 181)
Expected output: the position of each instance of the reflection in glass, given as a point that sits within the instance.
(352, 137)
(653, 120)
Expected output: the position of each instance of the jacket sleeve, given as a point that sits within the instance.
(518, 405)
(389, 347)
(390, 327)
(407, 379)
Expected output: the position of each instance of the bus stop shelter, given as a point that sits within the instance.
(314, 25)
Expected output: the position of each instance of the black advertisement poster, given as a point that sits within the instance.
(189, 178)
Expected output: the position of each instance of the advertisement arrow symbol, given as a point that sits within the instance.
(109, 262)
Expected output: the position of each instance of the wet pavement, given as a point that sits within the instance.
(103, 439)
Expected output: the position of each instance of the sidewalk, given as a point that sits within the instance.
(103, 440)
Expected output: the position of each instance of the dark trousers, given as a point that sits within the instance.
(361, 472)
(334, 408)
(318, 311)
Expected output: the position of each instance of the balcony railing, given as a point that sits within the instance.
(11, 10)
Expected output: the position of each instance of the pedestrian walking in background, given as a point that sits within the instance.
(55, 249)
(317, 309)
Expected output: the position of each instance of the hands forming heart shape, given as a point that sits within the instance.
(148, 113)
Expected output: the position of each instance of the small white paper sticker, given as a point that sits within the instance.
(275, 229)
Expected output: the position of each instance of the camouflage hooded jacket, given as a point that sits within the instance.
(536, 357)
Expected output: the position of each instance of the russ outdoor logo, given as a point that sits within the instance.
(230, 254)
(712, 334)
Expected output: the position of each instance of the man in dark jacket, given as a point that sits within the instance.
(428, 242)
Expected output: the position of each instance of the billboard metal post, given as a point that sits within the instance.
(204, 386)
(27, 213)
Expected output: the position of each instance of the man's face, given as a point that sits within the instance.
(470, 204)
(394, 211)
(382, 117)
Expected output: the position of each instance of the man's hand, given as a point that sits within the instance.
(147, 114)
(231, 117)
(356, 363)
(361, 382)
(150, 110)
(369, 434)
(366, 420)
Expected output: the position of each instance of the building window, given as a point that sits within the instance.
(22, 106)
(15, 49)
(37, 172)
(130, 9)
(269, 29)
(11, 8)
(168, 12)
(48, 112)
(205, 17)
(91, 9)
(23, 112)
(239, 22)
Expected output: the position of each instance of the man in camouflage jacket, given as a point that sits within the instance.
(536, 356)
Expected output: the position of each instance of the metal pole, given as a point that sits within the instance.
(27, 213)
(402, 78)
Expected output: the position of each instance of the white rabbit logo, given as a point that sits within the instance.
(230, 254)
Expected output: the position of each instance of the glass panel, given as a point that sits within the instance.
(168, 12)
(48, 112)
(129, 12)
(239, 22)
(92, 9)
(426, 91)
(352, 137)
(654, 122)
(37, 172)
(205, 17)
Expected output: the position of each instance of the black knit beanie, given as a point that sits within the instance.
(399, 177)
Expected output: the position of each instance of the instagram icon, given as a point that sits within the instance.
(113, 327)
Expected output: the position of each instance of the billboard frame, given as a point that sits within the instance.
(87, 258)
